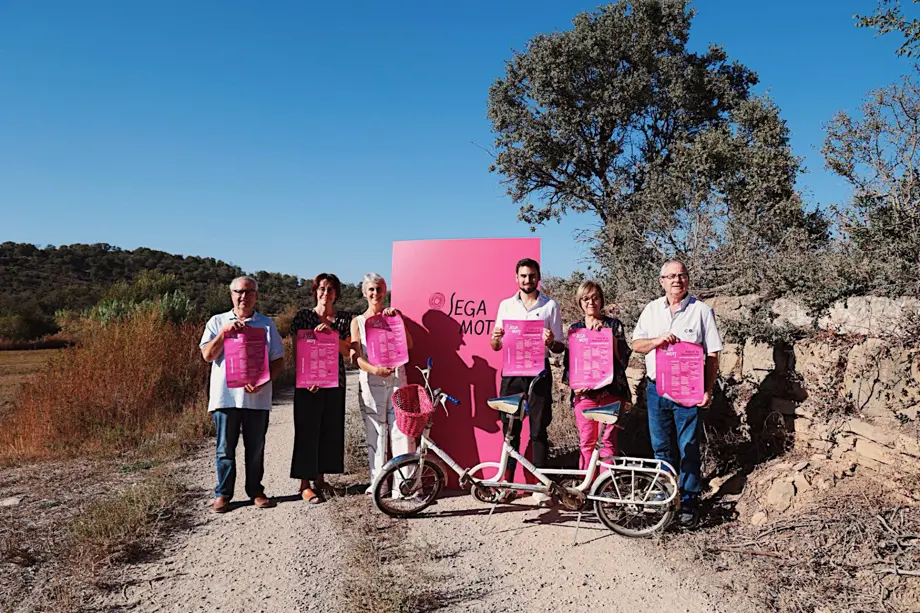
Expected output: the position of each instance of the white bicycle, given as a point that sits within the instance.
(634, 497)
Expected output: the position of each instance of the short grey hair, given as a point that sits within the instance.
(673, 261)
(255, 284)
(372, 278)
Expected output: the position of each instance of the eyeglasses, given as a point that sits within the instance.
(681, 275)
(243, 292)
(591, 299)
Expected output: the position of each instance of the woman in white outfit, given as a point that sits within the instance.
(376, 384)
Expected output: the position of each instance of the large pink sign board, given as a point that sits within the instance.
(448, 292)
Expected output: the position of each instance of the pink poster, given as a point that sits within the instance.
(386, 341)
(317, 359)
(523, 350)
(450, 317)
(590, 358)
(246, 357)
(679, 373)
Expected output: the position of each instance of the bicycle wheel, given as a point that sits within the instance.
(633, 519)
(413, 493)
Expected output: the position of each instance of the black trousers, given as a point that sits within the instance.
(319, 433)
(541, 414)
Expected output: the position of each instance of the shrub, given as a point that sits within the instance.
(130, 380)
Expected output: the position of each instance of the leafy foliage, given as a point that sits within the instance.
(667, 148)
(45, 287)
(889, 19)
(878, 154)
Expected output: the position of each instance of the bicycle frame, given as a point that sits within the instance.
(594, 475)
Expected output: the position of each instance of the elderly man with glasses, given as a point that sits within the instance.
(674, 318)
(243, 409)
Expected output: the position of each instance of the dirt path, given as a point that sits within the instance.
(285, 559)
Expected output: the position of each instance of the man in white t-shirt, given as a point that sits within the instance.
(530, 303)
(678, 317)
(244, 409)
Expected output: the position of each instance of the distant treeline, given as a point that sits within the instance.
(43, 286)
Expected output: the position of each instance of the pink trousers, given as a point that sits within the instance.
(588, 429)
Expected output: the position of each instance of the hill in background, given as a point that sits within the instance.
(40, 282)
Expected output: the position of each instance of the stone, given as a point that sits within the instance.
(818, 457)
(780, 495)
(731, 360)
(823, 484)
(873, 451)
(12, 501)
(759, 518)
(801, 483)
(878, 379)
(757, 361)
(800, 466)
(870, 315)
(816, 361)
(883, 436)
(790, 313)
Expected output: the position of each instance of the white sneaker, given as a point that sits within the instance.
(542, 500)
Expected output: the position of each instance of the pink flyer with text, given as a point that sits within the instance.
(679, 372)
(523, 352)
(590, 358)
(317, 359)
(385, 336)
(246, 357)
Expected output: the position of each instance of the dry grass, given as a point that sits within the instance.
(387, 573)
(129, 382)
(124, 527)
(16, 367)
(78, 520)
(838, 554)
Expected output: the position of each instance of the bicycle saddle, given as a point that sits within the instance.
(607, 414)
(506, 404)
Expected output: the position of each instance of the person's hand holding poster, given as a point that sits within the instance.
(246, 357)
(386, 341)
(590, 358)
(679, 373)
(523, 349)
(317, 359)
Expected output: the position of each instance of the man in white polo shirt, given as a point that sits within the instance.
(678, 317)
(530, 303)
(243, 409)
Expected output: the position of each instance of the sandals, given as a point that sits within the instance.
(311, 497)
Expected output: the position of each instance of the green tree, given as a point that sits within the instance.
(878, 154)
(668, 149)
(888, 18)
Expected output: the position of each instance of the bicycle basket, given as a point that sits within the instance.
(413, 409)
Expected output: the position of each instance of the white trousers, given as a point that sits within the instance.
(376, 401)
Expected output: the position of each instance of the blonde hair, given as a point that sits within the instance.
(588, 286)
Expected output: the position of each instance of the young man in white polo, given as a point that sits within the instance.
(678, 317)
(530, 303)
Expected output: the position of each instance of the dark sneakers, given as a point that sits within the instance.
(688, 515)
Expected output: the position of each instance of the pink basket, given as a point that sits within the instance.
(413, 409)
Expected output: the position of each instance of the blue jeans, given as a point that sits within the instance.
(666, 419)
(254, 424)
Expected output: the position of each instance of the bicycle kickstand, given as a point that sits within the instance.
(575, 537)
(486, 525)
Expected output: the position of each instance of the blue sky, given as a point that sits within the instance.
(300, 137)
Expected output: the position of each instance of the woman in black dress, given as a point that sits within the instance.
(319, 414)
